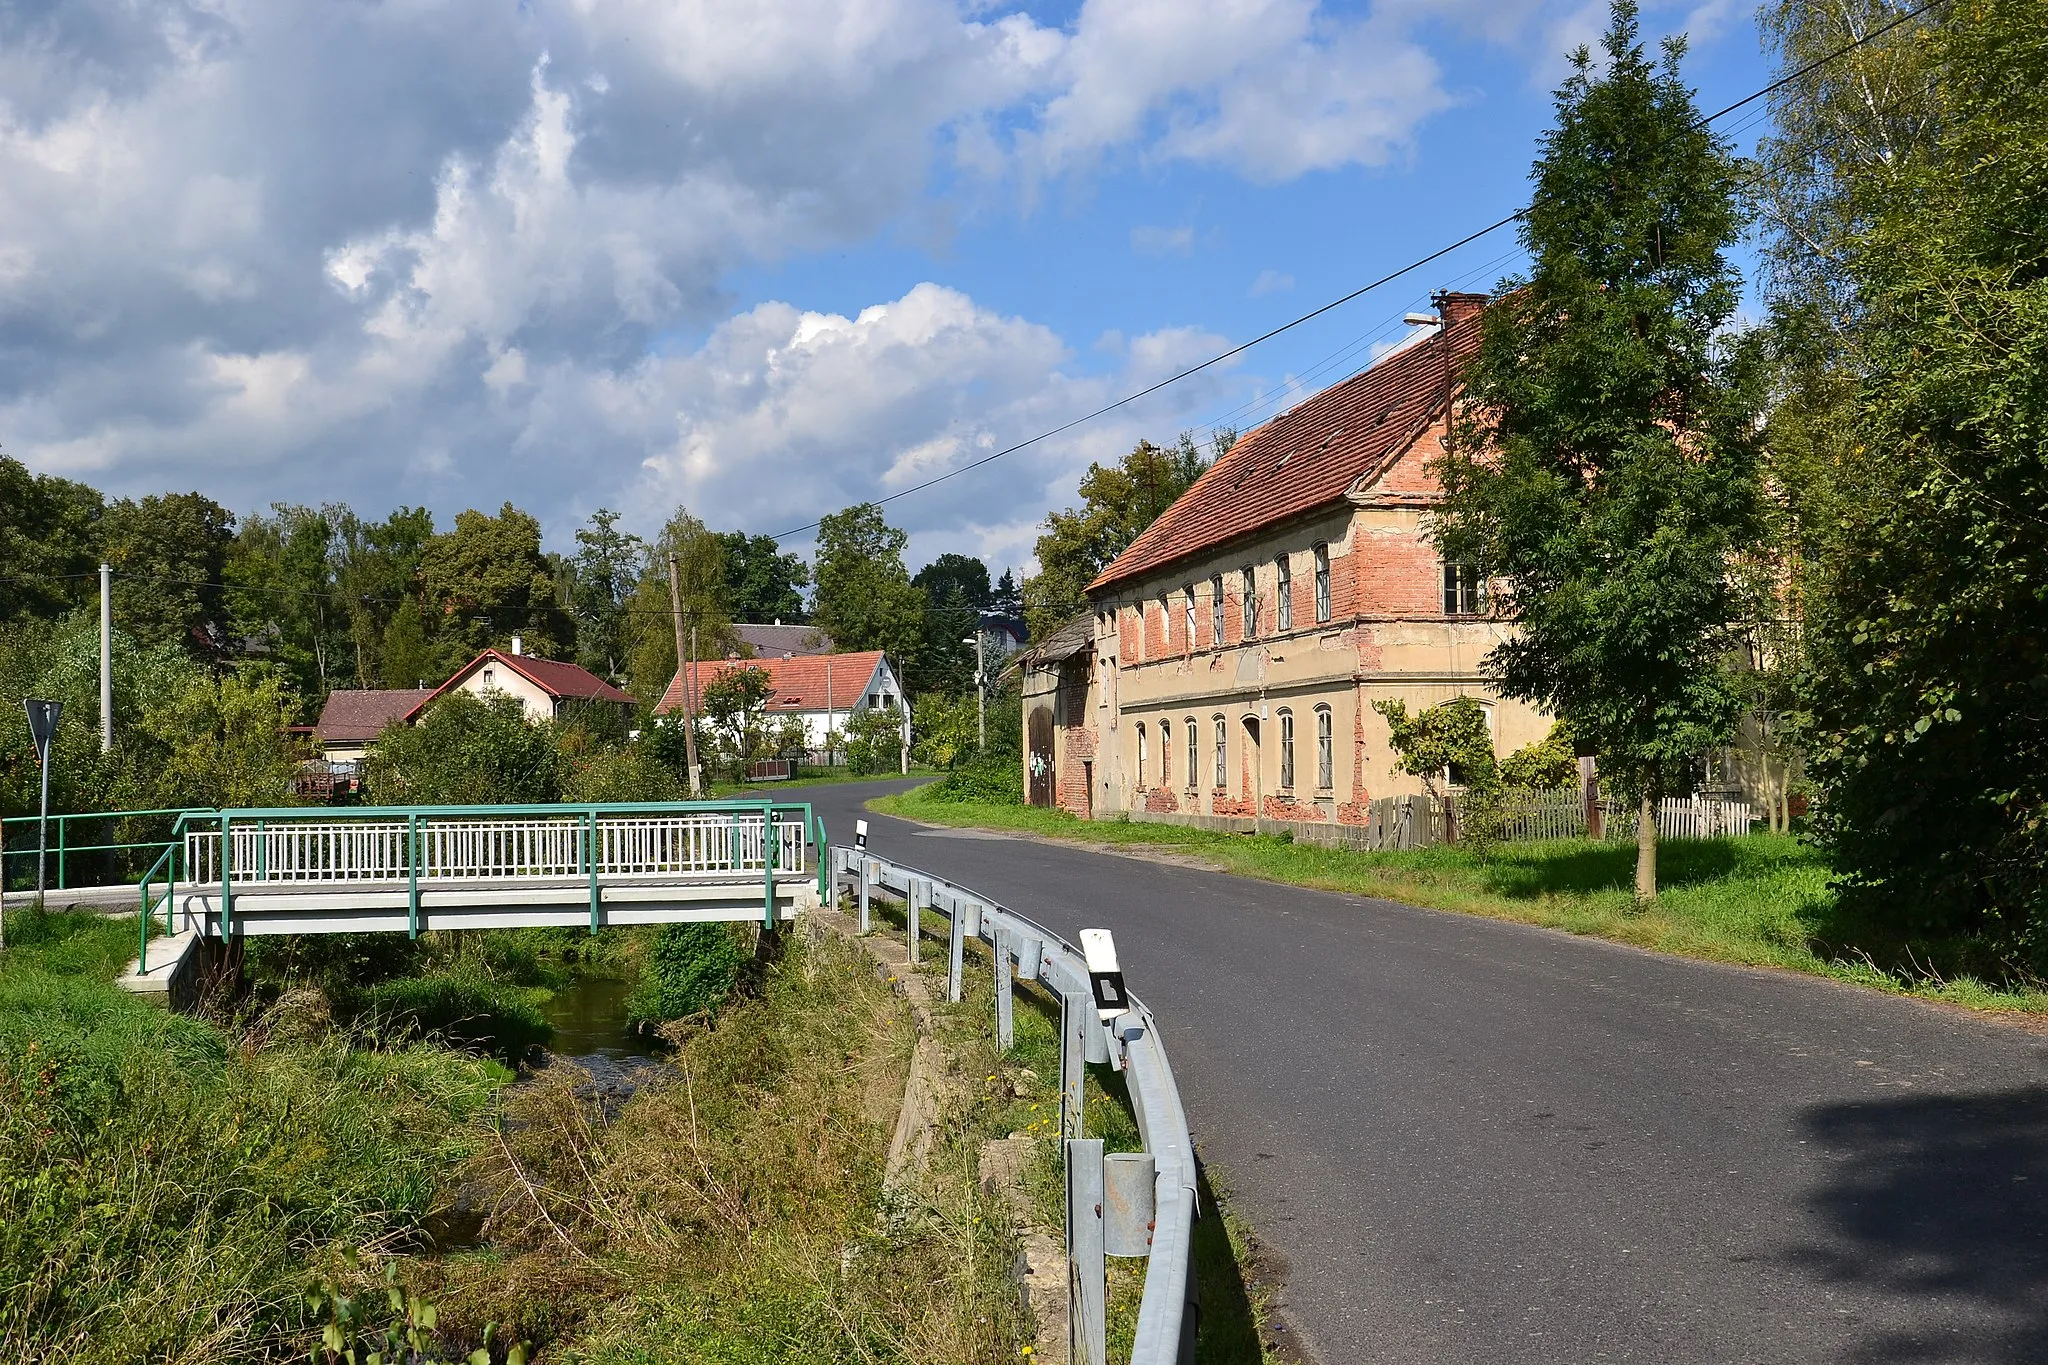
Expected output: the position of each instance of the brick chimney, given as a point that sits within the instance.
(1455, 308)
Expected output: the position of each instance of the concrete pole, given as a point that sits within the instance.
(683, 670)
(980, 691)
(106, 659)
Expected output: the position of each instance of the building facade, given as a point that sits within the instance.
(822, 690)
(1234, 651)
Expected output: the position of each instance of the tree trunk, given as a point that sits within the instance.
(1646, 851)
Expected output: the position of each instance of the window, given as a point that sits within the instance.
(1283, 596)
(1464, 593)
(1141, 755)
(488, 674)
(1166, 753)
(1222, 740)
(1322, 582)
(1251, 603)
(1216, 612)
(1194, 758)
(1165, 624)
(1286, 750)
(1191, 622)
(1326, 751)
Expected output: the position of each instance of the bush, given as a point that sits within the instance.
(463, 1007)
(874, 741)
(690, 969)
(984, 778)
(466, 750)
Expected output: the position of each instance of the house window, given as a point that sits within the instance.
(1222, 741)
(1326, 751)
(1287, 750)
(488, 676)
(1464, 593)
(1250, 603)
(1216, 612)
(1141, 755)
(1322, 582)
(1283, 596)
(1194, 758)
(1165, 623)
(1166, 753)
(1191, 619)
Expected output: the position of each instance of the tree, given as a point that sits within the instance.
(874, 740)
(224, 742)
(607, 565)
(48, 527)
(1449, 742)
(466, 750)
(376, 570)
(865, 599)
(699, 556)
(762, 583)
(487, 580)
(408, 658)
(956, 593)
(169, 553)
(1005, 599)
(1927, 636)
(1117, 503)
(1605, 466)
(282, 602)
(735, 703)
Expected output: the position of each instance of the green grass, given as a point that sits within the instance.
(1764, 900)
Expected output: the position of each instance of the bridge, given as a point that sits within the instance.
(225, 874)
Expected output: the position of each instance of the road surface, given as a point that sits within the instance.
(1473, 1141)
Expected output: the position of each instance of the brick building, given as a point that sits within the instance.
(1235, 648)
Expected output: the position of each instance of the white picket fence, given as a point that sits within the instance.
(457, 849)
(1562, 815)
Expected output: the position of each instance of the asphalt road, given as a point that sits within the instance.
(1479, 1142)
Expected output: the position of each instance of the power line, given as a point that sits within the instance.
(1493, 227)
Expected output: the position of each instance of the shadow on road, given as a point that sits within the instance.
(1943, 1200)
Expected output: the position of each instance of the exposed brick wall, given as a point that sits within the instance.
(1287, 808)
(1160, 801)
(1077, 737)
(1358, 810)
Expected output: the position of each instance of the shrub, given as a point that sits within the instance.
(874, 741)
(984, 778)
(689, 969)
(1546, 765)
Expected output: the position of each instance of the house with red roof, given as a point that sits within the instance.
(822, 690)
(1234, 650)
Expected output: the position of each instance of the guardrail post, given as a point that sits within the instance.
(865, 865)
(1077, 1013)
(915, 893)
(956, 948)
(1087, 1317)
(412, 876)
(590, 861)
(1006, 1028)
(1130, 1196)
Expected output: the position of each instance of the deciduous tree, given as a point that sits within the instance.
(865, 599)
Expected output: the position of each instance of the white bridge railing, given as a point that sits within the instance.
(466, 848)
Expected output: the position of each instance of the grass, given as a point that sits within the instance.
(1763, 900)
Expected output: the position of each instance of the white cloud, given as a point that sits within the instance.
(1271, 282)
(1162, 241)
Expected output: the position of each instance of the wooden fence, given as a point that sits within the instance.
(1562, 815)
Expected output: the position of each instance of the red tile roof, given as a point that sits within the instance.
(801, 684)
(1310, 456)
(354, 716)
(563, 681)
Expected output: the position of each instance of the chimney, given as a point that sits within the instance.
(518, 646)
(1455, 308)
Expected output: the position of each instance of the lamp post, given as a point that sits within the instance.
(980, 691)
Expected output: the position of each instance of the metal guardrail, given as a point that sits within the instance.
(1100, 1221)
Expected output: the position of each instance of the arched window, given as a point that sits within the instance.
(1216, 612)
(1326, 750)
(1165, 753)
(1141, 754)
(1250, 603)
(1283, 596)
(1222, 751)
(1322, 582)
(1194, 758)
(1286, 749)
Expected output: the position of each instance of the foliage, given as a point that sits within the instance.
(462, 1006)
(348, 1336)
(168, 553)
(735, 702)
(700, 569)
(486, 580)
(607, 564)
(874, 740)
(48, 534)
(1546, 765)
(465, 750)
(942, 728)
(1927, 635)
(1450, 739)
(956, 592)
(865, 599)
(632, 772)
(689, 969)
(762, 582)
(1606, 464)
(984, 776)
(223, 743)
(1117, 503)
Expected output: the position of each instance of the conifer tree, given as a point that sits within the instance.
(1604, 472)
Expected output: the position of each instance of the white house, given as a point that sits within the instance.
(823, 690)
(545, 687)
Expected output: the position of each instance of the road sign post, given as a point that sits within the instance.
(42, 730)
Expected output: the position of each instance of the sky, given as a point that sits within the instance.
(762, 260)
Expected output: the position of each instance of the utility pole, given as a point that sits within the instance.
(106, 659)
(684, 669)
(980, 690)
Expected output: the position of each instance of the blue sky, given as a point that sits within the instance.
(757, 260)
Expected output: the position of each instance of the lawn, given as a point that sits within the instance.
(1763, 900)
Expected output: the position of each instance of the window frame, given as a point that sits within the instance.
(1248, 605)
(1216, 611)
(1326, 749)
(1165, 754)
(1322, 572)
(1464, 591)
(1194, 753)
(1283, 594)
(1139, 728)
(1191, 617)
(1286, 749)
(1222, 754)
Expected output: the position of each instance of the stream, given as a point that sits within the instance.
(589, 1015)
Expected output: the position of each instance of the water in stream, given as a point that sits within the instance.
(589, 1015)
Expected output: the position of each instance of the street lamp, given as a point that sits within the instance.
(980, 699)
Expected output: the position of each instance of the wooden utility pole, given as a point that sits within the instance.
(675, 599)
